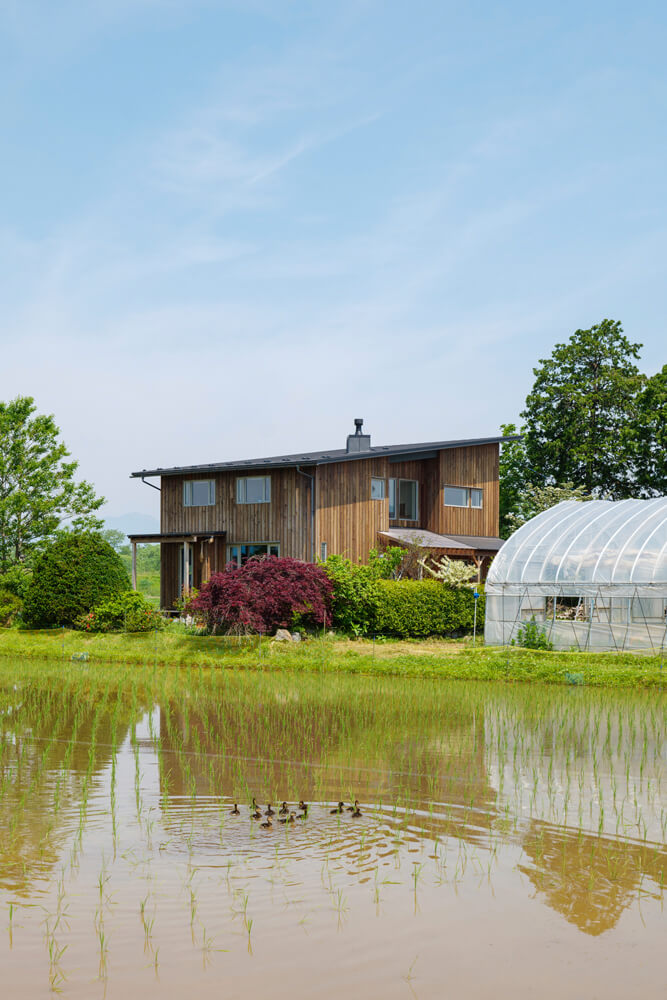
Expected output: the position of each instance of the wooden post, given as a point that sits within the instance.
(134, 565)
(186, 567)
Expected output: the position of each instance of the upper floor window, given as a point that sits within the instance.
(463, 496)
(377, 489)
(253, 489)
(403, 499)
(199, 493)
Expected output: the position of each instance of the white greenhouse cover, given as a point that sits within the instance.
(587, 547)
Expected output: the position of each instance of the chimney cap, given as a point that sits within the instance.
(358, 423)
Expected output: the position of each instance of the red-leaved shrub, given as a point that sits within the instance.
(265, 594)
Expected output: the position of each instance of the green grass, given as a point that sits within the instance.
(443, 658)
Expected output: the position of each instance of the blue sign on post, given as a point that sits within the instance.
(475, 594)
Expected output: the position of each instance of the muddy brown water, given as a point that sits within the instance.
(511, 842)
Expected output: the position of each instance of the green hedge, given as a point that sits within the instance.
(414, 608)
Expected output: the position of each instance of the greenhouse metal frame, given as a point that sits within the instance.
(591, 574)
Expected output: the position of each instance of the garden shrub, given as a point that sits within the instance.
(416, 608)
(356, 594)
(264, 594)
(76, 572)
(16, 580)
(10, 608)
(128, 612)
(532, 636)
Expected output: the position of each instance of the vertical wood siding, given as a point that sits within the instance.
(475, 466)
(347, 519)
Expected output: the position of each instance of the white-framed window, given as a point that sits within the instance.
(377, 489)
(463, 496)
(241, 552)
(199, 493)
(253, 489)
(404, 499)
(323, 551)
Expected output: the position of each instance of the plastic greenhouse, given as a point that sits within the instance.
(593, 573)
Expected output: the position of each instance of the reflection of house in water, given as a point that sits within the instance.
(430, 767)
(590, 880)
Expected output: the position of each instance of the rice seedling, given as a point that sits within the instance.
(565, 786)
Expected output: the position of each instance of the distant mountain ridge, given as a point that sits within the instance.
(133, 524)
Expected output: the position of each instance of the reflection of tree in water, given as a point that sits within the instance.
(38, 757)
(590, 880)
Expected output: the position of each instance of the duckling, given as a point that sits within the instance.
(269, 810)
(283, 809)
(339, 808)
(288, 819)
(256, 814)
(304, 814)
(357, 811)
(303, 805)
(235, 811)
(255, 807)
(267, 825)
(353, 808)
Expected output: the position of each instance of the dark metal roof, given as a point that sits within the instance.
(322, 457)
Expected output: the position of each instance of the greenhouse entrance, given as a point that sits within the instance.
(592, 574)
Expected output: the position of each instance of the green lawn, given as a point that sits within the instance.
(425, 658)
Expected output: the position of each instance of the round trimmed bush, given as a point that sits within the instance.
(77, 571)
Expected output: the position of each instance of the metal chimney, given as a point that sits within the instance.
(358, 441)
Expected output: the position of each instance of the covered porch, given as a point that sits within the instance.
(479, 550)
(186, 561)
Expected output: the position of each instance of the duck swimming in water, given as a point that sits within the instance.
(353, 808)
(267, 825)
(283, 809)
(269, 810)
(357, 811)
(235, 811)
(303, 805)
(339, 808)
(288, 819)
(304, 814)
(256, 814)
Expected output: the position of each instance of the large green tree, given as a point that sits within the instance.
(579, 414)
(512, 475)
(38, 490)
(649, 435)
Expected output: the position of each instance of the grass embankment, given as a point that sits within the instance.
(444, 658)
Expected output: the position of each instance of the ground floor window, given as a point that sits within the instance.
(240, 553)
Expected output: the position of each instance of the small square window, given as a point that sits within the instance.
(199, 493)
(377, 489)
(253, 489)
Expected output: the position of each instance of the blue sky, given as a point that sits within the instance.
(229, 228)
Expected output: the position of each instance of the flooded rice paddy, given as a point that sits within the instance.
(511, 840)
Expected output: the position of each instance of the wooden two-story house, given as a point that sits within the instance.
(442, 495)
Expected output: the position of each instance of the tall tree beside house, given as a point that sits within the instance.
(649, 436)
(580, 412)
(38, 491)
(513, 476)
